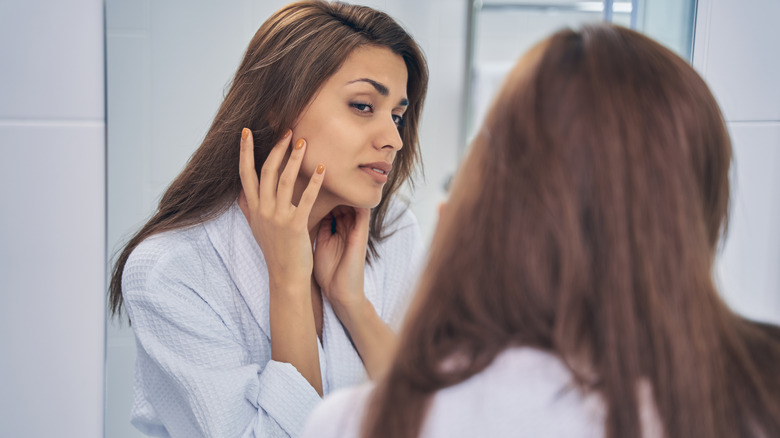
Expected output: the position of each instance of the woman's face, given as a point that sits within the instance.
(351, 126)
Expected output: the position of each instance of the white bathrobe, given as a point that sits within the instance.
(198, 300)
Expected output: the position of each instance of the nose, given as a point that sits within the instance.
(388, 136)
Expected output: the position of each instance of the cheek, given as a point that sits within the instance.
(326, 148)
(309, 164)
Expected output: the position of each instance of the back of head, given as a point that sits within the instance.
(585, 222)
(289, 58)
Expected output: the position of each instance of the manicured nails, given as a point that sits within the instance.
(244, 133)
(287, 134)
(320, 168)
(299, 144)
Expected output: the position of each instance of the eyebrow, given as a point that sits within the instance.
(380, 88)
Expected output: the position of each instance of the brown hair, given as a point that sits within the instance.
(292, 54)
(597, 192)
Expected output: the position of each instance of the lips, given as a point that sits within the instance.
(381, 167)
(378, 170)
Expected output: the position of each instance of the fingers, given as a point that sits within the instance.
(246, 168)
(310, 194)
(272, 188)
(290, 173)
(270, 171)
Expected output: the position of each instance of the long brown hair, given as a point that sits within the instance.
(585, 222)
(292, 54)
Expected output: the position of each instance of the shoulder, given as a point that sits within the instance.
(340, 414)
(539, 373)
(523, 389)
(169, 249)
(177, 259)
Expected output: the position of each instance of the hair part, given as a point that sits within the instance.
(290, 57)
(595, 195)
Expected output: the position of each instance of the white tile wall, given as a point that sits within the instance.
(51, 276)
(52, 224)
(749, 266)
(48, 69)
(736, 52)
(742, 63)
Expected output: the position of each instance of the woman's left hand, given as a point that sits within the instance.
(340, 256)
(339, 262)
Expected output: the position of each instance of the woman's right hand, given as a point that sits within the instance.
(279, 227)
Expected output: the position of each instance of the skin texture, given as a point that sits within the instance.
(352, 121)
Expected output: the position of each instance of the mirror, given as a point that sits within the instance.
(168, 63)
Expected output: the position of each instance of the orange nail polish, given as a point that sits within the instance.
(244, 133)
(287, 134)
(299, 144)
(320, 168)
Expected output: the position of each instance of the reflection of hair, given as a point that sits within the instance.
(292, 54)
(597, 192)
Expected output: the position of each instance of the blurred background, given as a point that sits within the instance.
(102, 103)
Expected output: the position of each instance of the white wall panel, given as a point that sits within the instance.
(736, 53)
(742, 63)
(49, 67)
(51, 276)
(749, 266)
(52, 224)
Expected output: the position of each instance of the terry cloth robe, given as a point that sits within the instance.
(198, 301)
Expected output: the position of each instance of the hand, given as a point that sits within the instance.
(340, 256)
(279, 227)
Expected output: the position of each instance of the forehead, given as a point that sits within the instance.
(376, 63)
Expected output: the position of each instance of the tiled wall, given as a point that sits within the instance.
(52, 218)
(737, 53)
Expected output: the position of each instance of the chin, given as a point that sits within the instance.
(365, 201)
(369, 204)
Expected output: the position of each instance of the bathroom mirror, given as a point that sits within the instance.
(169, 61)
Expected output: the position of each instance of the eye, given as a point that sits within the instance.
(399, 120)
(365, 108)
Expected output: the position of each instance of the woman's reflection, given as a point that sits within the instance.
(278, 260)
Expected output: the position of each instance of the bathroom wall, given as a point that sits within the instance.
(736, 52)
(52, 218)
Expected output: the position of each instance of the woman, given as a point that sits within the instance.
(569, 289)
(241, 324)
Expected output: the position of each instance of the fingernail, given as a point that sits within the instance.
(299, 144)
(320, 168)
(287, 134)
(244, 133)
